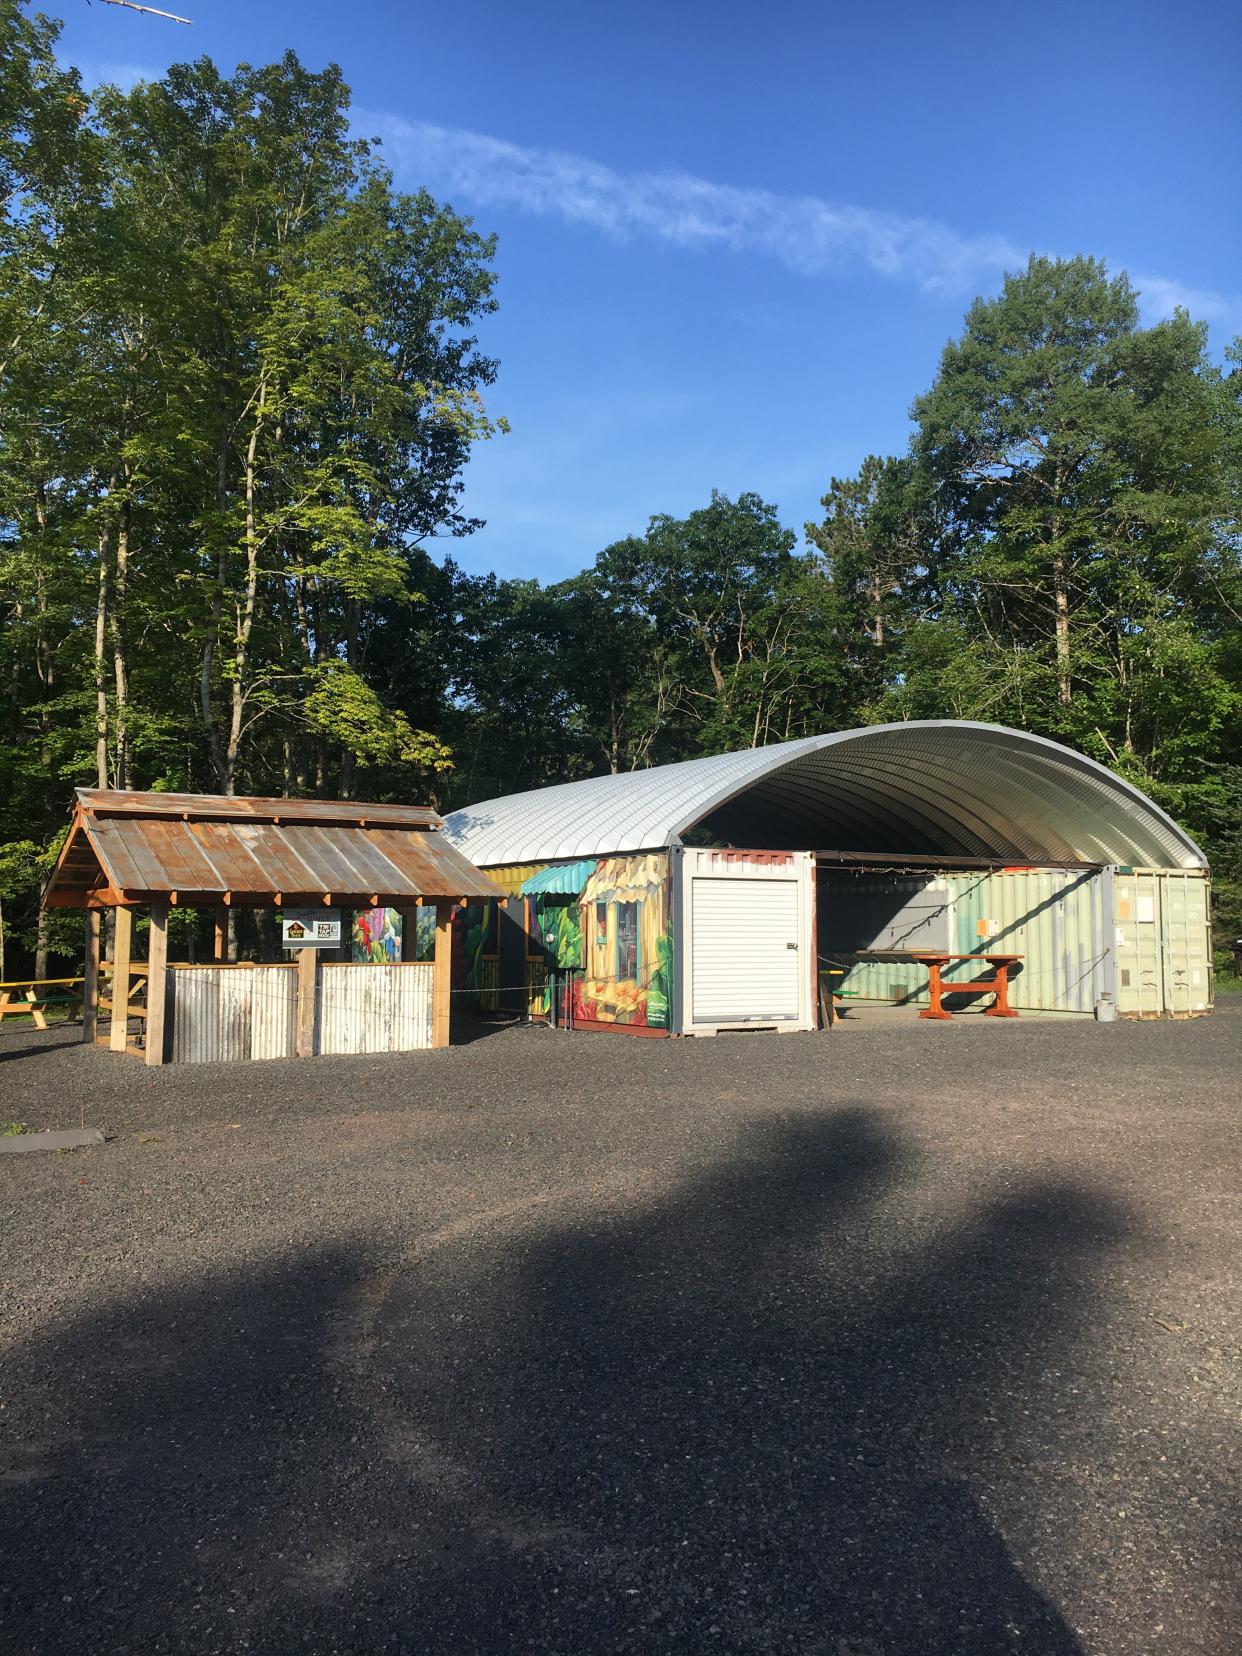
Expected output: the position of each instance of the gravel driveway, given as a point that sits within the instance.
(902, 1340)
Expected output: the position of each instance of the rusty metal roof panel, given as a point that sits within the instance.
(253, 858)
(335, 863)
(432, 863)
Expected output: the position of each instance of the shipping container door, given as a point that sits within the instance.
(747, 962)
(1186, 966)
(1163, 943)
(1140, 963)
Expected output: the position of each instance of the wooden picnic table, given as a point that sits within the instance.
(35, 995)
(998, 984)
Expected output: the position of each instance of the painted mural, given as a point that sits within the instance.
(424, 938)
(377, 937)
(477, 926)
(627, 975)
(611, 943)
(556, 922)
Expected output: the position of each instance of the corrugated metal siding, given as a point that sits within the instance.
(511, 878)
(221, 1013)
(1054, 918)
(1164, 943)
(375, 1008)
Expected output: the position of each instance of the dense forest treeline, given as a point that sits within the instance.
(240, 380)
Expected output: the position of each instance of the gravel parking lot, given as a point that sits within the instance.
(905, 1339)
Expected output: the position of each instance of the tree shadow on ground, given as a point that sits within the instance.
(740, 1416)
(9, 1049)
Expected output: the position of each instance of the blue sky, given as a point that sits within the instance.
(735, 237)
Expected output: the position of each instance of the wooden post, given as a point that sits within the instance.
(90, 977)
(157, 981)
(220, 942)
(122, 937)
(308, 976)
(442, 976)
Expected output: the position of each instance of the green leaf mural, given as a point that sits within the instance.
(659, 992)
(560, 920)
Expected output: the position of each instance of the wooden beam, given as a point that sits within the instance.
(220, 934)
(308, 979)
(442, 976)
(90, 979)
(157, 981)
(121, 944)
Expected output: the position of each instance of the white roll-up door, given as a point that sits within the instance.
(747, 959)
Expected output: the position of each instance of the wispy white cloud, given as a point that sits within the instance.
(1160, 296)
(805, 233)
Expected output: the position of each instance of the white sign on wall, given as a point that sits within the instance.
(311, 928)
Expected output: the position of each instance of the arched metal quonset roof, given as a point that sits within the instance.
(945, 787)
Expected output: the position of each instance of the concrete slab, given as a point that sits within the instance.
(72, 1138)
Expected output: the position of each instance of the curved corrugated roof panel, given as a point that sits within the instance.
(945, 787)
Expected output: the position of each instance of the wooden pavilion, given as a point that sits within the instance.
(159, 851)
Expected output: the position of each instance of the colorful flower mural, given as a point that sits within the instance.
(376, 936)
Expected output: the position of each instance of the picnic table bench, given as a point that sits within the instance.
(998, 984)
(934, 960)
(35, 995)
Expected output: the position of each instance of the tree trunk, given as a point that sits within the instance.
(101, 680)
(120, 655)
(41, 946)
(246, 608)
(206, 709)
(1060, 589)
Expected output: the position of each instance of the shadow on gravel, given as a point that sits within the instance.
(739, 1419)
(9, 1048)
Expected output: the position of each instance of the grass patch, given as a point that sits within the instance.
(11, 1129)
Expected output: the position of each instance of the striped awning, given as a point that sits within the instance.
(560, 880)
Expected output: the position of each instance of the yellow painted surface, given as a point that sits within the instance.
(511, 879)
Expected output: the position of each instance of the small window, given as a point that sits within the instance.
(627, 942)
(601, 924)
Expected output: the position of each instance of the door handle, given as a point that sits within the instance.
(791, 945)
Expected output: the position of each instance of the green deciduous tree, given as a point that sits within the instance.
(239, 382)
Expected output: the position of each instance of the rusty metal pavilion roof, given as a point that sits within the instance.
(126, 848)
